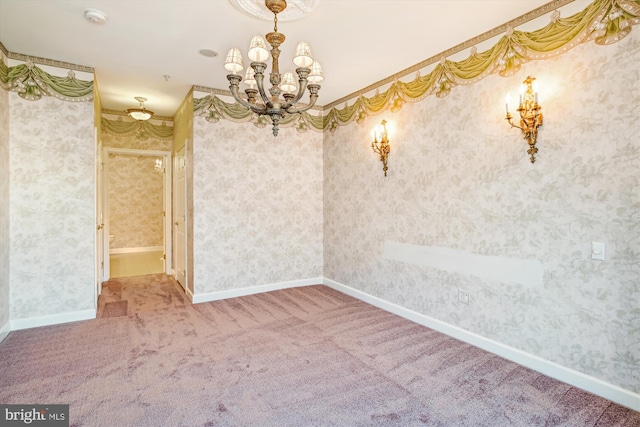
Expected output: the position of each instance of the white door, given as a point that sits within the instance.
(180, 217)
(99, 219)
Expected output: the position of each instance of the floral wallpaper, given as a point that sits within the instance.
(4, 209)
(257, 203)
(137, 142)
(52, 228)
(460, 178)
(135, 191)
(136, 203)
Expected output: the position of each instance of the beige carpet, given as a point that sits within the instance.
(308, 356)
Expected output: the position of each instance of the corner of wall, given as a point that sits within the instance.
(5, 300)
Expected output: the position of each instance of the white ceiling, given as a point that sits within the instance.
(358, 42)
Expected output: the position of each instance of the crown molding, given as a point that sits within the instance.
(213, 91)
(522, 19)
(45, 61)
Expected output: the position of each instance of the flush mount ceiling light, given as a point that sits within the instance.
(140, 113)
(309, 74)
(296, 9)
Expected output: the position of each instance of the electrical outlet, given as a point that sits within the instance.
(463, 296)
(597, 250)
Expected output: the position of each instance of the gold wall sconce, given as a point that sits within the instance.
(380, 143)
(530, 115)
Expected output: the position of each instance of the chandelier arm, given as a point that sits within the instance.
(312, 101)
(258, 68)
(302, 81)
(236, 94)
(508, 118)
(313, 97)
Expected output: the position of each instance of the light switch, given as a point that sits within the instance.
(597, 250)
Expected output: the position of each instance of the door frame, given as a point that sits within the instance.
(166, 202)
(181, 155)
(99, 216)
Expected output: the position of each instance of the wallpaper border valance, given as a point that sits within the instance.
(603, 22)
(141, 129)
(32, 83)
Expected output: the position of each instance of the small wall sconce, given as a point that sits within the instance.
(380, 143)
(158, 166)
(530, 115)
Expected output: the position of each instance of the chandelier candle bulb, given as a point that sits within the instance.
(258, 49)
(506, 102)
(303, 56)
(522, 88)
(288, 82)
(250, 77)
(316, 75)
(233, 62)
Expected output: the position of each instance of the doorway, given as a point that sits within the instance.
(180, 216)
(136, 202)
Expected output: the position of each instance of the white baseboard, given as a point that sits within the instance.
(4, 330)
(53, 319)
(578, 379)
(232, 293)
(189, 294)
(135, 250)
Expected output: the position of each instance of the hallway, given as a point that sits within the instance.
(136, 264)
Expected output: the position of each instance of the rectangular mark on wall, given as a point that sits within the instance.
(527, 272)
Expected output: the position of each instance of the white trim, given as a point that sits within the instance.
(562, 373)
(166, 203)
(189, 294)
(52, 319)
(135, 250)
(250, 290)
(4, 330)
(136, 152)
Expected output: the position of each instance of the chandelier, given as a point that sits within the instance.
(140, 113)
(309, 74)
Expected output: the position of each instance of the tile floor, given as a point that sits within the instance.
(136, 264)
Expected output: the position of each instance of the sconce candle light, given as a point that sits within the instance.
(158, 166)
(530, 115)
(380, 143)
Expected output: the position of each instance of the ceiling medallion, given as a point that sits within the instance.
(295, 9)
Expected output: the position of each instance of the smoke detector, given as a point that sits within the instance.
(95, 16)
